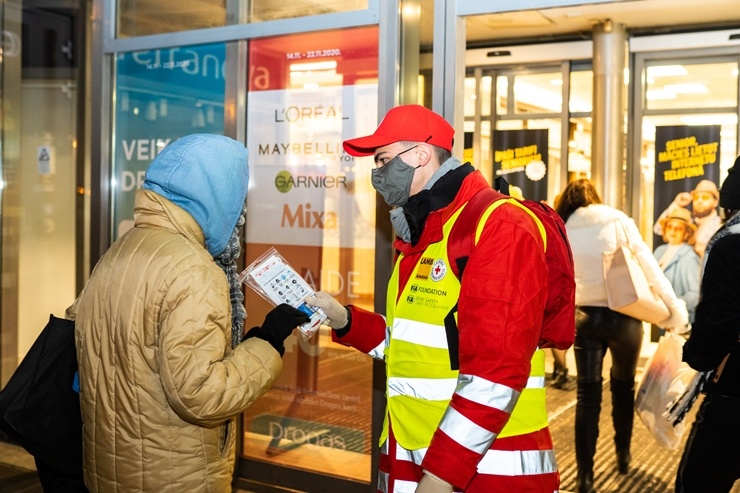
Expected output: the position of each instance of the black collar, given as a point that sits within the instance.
(442, 193)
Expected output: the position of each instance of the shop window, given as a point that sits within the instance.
(145, 17)
(526, 153)
(698, 85)
(688, 132)
(502, 95)
(160, 95)
(581, 91)
(538, 93)
(315, 204)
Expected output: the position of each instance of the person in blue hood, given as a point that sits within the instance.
(164, 364)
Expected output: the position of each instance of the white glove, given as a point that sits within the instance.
(432, 484)
(336, 312)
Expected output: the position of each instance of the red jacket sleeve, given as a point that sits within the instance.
(367, 332)
(502, 300)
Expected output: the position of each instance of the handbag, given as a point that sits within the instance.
(39, 408)
(627, 288)
(666, 380)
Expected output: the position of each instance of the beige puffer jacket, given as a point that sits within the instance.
(160, 385)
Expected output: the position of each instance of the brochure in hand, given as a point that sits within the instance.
(277, 282)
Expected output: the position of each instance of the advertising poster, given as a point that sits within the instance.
(160, 95)
(316, 206)
(520, 157)
(684, 157)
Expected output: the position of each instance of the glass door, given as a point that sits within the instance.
(315, 204)
(39, 76)
(517, 126)
(685, 130)
(687, 135)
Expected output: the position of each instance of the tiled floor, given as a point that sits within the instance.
(18, 470)
(653, 467)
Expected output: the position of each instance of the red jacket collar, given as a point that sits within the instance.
(432, 233)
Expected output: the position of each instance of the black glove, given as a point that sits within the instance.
(278, 325)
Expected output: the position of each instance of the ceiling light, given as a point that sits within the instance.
(653, 94)
(690, 88)
(666, 71)
(724, 119)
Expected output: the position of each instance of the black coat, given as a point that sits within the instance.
(716, 328)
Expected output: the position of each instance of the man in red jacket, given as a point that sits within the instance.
(465, 377)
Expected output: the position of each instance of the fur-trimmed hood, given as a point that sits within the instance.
(591, 215)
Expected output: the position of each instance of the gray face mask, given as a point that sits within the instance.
(393, 180)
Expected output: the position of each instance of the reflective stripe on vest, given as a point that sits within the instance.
(420, 382)
(496, 462)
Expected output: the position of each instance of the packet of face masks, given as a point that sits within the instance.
(277, 282)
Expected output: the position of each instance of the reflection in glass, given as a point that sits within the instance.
(502, 95)
(554, 154)
(696, 85)
(469, 97)
(728, 152)
(538, 93)
(159, 96)
(270, 10)
(145, 17)
(581, 91)
(579, 148)
(316, 206)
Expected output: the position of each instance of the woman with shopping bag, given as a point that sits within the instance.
(593, 230)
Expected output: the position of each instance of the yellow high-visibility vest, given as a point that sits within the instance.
(420, 382)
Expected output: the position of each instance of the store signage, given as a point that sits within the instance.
(160, 95)
(316, 205)
(287, 433)
(685, 155)
(520, 157)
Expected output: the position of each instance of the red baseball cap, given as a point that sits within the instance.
(411, 122)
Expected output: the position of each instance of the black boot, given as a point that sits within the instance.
(559, 377)
(623, 415)
(588, 406)
(585, 482)
(623, 461)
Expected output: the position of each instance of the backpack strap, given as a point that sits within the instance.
(500, 184)
(464, 234)
(463, 237)
(460, 243)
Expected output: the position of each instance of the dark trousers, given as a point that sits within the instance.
(598, 329)
(710, 461)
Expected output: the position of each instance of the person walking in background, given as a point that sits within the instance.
(677, 258)
(710, 462)
(703, 200)
(593, 229)
(466, 404)
(560, 378)
(159, 328)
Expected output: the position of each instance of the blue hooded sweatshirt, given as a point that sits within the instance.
(207, 176)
